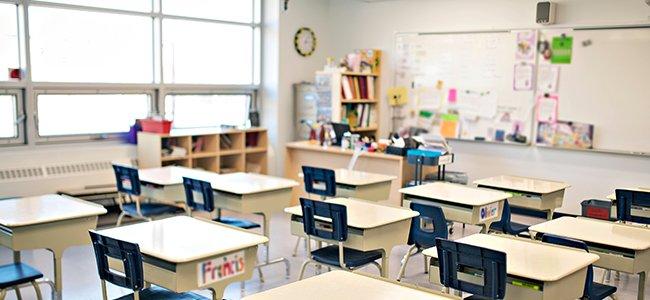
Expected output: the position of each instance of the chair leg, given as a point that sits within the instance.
(3, 293)
(119, 219)
(37, 290)
(19, 296)
(426, 264)
(302, 269)
(381, 270)
(405, 261)
(295, 248)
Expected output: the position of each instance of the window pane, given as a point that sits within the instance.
(192, 111)
(8, 116)
(89, 114)
(82, 46)
(133, 5)
(200, 52)
(225, 10)
(8, 40)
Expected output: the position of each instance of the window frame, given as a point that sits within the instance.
(252, 93)
(21, 118)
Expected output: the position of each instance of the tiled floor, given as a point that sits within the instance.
(81, 282)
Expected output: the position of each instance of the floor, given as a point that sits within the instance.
(81, 282)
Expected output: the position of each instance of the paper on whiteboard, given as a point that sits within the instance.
(477, 103)
(428, 97)
(523, 77)
(548, 78)
(547, 106)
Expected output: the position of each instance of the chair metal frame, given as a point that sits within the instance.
(16, 288)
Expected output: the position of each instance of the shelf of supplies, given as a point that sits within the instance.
(359, 74)
(255, 149)
(370, 128)
(204, 154)
(353, 101)
(172, 158)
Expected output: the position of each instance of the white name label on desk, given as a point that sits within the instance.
(489, 211)
(220, 268)
(444, 160)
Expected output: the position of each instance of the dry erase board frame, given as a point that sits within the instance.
(533, 119)
(488, 109)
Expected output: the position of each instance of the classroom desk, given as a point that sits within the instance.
(240, 192)
(460, 203)
(371, 226)
(641, 212)
(303, 153)
(534, 270)
(621, 247)
(344, 285)
(51, 222)
(531, 193)
(181, 253)
(361, 185)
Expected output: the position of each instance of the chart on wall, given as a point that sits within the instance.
(471, 86)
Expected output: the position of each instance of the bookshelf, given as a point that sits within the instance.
(216, 150)
(355, 97)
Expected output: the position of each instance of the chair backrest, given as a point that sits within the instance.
(128, 253)
(314, 176)
(626, 199)
(337, 230)
(198, 187)
(423, 236)
(453, 256)
(506, 215)
(567, 242)
(127, 180)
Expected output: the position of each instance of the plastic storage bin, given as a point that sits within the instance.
(597, 209)
(156, 126)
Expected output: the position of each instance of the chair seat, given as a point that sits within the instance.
(152, 209)
(241, 223)
(353, 258)
(601, 291)
(516, 228)
(158, 293)
(17, 273)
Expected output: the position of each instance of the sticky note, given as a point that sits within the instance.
(452, 96)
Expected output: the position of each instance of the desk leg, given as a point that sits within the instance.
(485, 227)
(267, 260)
(641, 291)
(385, 264)
(16, 256)
(58, 278)
(549, 214)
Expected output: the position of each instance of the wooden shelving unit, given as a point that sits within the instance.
(221, 151)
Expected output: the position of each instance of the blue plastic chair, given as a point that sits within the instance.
(129, 190)
(335, 233)
(593, 290)
(505, 225)
(626, 199)
(133, 276)
(204, 189)
(313, 177)
(420, 237)
(15, 274)
(453, 256)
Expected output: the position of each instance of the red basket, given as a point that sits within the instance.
(156, 126)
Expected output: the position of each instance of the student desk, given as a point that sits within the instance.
(361, 185)
(371, 226)
(460, 203)
(240, 192)
(51, 222)
(534, 270)
(621, 247)
(531, 193)
(184, 254)
(635, 211)
(344, 285)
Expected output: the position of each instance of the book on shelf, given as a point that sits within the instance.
(359, 115)
(357, 87)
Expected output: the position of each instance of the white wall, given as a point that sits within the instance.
(283, 66)
(357, 24)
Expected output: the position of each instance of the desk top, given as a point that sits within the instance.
(357, 178)
(530, 259)
(346, 285)
(365, 214)
(306, 145)
(455, 193)
(612, 196)
(184, 239)
(236, 183)
(597, 231)
(46, 208)
(523, 184)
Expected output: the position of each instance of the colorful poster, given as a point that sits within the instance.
(562, 48)
(565, 134)
(449, 126)
(548, 78)
(523, 78)
(526, 41)
(397, 96)
(547, 108)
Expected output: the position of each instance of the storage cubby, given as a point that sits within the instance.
(184, 162)
(205, 145)
(256, 141)
(231, 142)
(175, 147)
(231, 163)
(256, 162)
(206, 163)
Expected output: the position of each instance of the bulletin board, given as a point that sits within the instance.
(464, 84)
(606, 84)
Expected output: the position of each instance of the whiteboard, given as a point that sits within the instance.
(479, 63)
(607, 84)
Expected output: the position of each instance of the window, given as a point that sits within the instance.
(81, 46)
(8, 117)
(193, 111)
(225, 10)
(8, 40)
(66, 114)
(132, 5)
(213, 53)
